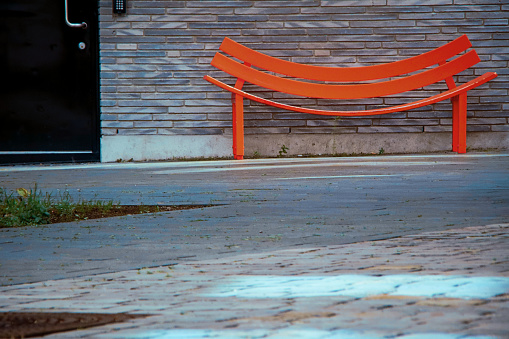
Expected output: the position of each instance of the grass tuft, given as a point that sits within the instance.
(32, 207)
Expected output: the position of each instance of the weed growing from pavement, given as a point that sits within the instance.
(283, 151)
(27, 207)
(32, 207)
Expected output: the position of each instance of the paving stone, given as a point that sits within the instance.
(409, 308)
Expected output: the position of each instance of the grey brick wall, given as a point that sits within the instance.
(154, 57)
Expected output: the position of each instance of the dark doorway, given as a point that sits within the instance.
(49, 106)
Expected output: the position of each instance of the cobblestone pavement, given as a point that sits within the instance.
(440, 284)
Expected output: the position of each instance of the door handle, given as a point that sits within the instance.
(82, 25)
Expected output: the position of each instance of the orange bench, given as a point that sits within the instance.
(438, 57)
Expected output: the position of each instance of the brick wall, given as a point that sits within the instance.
(153, 60)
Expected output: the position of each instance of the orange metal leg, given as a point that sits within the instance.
(238, 126)
(462, 122)
(459, 123)
(455, 120)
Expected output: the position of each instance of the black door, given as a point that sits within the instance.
(49, 105)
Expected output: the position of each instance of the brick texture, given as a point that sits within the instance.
(153, 60)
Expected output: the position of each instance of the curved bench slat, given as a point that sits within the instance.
(354, 91)
(404, 107)
(346, 74)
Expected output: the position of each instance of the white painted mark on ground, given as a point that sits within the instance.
(293, 332)
(342, 176)
(360, 286)
(338, 165)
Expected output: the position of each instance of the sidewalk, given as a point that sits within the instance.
(449, 284)
(367, 247)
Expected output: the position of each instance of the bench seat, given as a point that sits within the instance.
(342, 87)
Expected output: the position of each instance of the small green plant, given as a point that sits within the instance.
(32, 207)
(283, 150)
(26, 208)
(381, 151)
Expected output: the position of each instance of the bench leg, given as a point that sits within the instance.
(459, 123)
(238, 126)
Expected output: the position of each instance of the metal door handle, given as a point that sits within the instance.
(82, 25)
